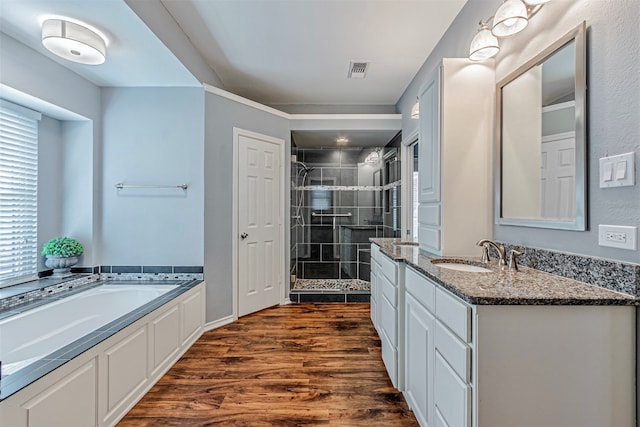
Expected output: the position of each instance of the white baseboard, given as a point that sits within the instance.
(218, 323)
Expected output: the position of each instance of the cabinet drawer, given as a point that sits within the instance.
(452, 396)
(373, 304)
(429, 214)
(453, 313)
(388, 320)
(375, 252)
(375, 266)
(388, 268)
(388, 290)
(429, 238)
(421, 288)
(454, 351)
(390, 358)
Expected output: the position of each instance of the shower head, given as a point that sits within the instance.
(306, 168)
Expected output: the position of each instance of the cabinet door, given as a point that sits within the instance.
(452, 396)
(429, 148)
(419, 325)
(374, 294)
(77, 390)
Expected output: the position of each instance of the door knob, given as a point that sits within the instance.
(244, 236)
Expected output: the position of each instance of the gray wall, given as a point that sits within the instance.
(153, 136)
(33, 80)
(614, 103)
(222, 115)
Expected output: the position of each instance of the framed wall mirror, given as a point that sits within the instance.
(541, 139)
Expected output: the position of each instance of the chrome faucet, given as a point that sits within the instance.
(485, 243)
(513, 259)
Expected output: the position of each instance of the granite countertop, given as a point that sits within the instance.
(526, 286)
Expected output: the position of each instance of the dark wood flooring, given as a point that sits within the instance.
(296, 365)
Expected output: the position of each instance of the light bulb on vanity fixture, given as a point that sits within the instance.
(484, 45)
(511, 18)
(415, 110)
(73, 42)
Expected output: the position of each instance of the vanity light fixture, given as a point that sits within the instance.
(415, 110)
(510, 18)
(342, 140)
(73, 42)
(373, 157)
(484, 45)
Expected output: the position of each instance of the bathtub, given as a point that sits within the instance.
(130, 334)
(33, 335)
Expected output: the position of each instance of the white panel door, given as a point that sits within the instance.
(259, 222)
(558, 177)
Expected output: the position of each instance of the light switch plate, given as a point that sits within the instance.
(617, 171)
(618, 236)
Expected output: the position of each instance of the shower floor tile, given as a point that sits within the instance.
(344, 285)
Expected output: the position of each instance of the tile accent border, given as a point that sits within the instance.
(46, 291)
(43, 287)
(348, 187)
(612, 275)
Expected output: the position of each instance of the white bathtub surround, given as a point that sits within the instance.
(40, 332)
(101, 383)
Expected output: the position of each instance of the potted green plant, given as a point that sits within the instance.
(61, 253)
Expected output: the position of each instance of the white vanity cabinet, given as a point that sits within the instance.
(516, 365)
(387, 312)
(455, 157)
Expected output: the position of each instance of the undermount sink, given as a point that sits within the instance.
(459, 265)
(405, 243)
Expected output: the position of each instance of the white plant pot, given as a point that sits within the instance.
(61, 264)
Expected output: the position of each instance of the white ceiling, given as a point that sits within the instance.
(271, 51)
(298, 52)
(135, 56)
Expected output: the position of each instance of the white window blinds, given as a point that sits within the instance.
(18, 193)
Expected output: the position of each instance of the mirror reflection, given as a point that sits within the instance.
(542, 140)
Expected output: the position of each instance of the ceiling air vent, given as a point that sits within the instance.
(358, 70)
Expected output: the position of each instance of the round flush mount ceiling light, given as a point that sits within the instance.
(510, 18)
(73, 42)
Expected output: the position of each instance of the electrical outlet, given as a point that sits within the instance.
(618, 236)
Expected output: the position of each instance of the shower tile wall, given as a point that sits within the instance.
(320, 249)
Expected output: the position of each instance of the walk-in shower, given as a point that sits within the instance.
(340, 197)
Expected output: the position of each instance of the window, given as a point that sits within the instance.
(18, 193)
(321, 200)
